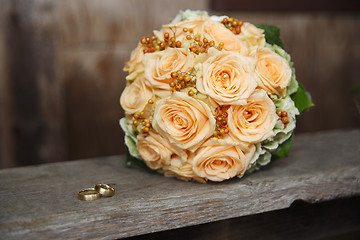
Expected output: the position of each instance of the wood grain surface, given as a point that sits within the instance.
(284, 5)
(40, 202)
(33, 126)
(328, 220)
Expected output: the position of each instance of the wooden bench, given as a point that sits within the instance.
(321, 175)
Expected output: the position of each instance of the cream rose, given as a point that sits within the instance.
(159, 66)
(227, 77)
(219, 33)
(184, 120)
(135, 62)
(156, 151)
(135, 96)
(218, 162)
(253, 36)
(253, 122)
(273, 72)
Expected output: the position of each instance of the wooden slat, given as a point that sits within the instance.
(90, 23)
(5, 136)
(285, 5)
(26, 121)
(329, 220)
(92, 82)
(34, 115)
(41, 202)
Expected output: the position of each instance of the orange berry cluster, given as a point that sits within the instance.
(221, 116)
(153, 44)
(171, 41)
(181, 80)
(283, 116)
(233, 25)
(200, 45)
(138, 119)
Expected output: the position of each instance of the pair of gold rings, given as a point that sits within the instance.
(100, 190)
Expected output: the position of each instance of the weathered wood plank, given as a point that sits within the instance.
(5, 119)
(34, 115)
(92, 82)
(90, 23)
(284, 5)
(329, 220)
(41, 202)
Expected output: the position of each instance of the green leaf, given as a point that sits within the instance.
(272, 34)
(135, 163)
(131, 146)
(302, 99)
(284, 149)
(293, 85)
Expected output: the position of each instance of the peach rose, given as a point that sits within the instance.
(157, 151)
(219, 162)
(254, 121)
(135, 96)
(181, 171)
(159, 66)
(219, 33)
(273, 72)
(176, 29)
(185, 121)
(253, 36)
(135, 62)
(227, 77)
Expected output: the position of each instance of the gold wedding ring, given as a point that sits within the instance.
(89, 194)
(105, 189)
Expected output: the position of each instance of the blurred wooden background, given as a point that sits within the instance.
(61, 69)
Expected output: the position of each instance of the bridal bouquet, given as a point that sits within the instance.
(210, 98)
